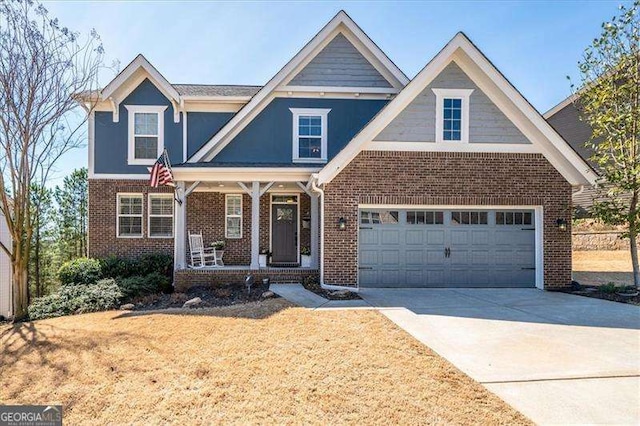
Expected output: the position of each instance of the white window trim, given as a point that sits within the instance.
(141, 215)
(132, 110)
(227, 215)
(149, 215)
(323, 113)
(463, 94)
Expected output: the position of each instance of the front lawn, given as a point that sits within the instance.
(266, 362)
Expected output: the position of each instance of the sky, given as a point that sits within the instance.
(535, 44)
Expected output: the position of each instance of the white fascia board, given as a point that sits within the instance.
(218, 99)
(573, 168)
(117, 176)
(571, 99)
(140, 62)
(339, 89)
(209, 150)
(243, 174)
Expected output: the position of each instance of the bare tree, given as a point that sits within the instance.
(43, 65)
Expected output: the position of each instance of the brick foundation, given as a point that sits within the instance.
(433, 178)
(187, 278)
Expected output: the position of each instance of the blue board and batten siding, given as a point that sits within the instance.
(269, 136)
(112, 139)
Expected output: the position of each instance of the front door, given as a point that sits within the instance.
(284, 233)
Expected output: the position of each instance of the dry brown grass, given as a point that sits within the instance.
(258, 363)
(602, 261)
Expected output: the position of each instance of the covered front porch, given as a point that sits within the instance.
(270, 224)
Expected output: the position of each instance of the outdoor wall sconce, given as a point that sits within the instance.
(306, 222)
(342, 224)
(562, 224)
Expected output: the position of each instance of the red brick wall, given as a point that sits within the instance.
(102, 220)
(205, 212)
(390, 177)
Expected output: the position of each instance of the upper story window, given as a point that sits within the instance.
(310, 135)
(146, 133)
(452, 115)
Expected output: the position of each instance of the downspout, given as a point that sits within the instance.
(316, 188)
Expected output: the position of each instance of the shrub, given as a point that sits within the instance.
(117, 267)
(80, 271)
(135, 286)
(122, 267)
(152, 263)
(141, 286)
(76, 299)
(608, 288)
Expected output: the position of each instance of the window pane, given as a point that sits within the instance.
(527, 219)
(146, 147)
(130, 226)
(484, 218)
(234, 205)
(161, 205)
(161, 226)
(439, 218)
(452, 120)
(131, 205)
(456, 103)
(365, 217)
(310, 148)
(233, 227)
(455, 218)
(411, 218)
(499, 218)
(145, 123)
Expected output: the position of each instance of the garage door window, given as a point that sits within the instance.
(469, 218)
(378, 217)
(425, 218)
(514, 218)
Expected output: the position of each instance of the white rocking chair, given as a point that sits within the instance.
(201, 256)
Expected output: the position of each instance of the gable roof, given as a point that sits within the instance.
(341, 23)
(140, 63)
(502, 93)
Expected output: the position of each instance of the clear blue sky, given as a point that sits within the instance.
(536, 44)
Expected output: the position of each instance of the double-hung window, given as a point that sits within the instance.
(233, 216)
(452, 115)
(310, 135)
(160, 215)
(146, 133)
(129, 218)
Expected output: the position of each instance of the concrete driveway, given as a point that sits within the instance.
(555, 357)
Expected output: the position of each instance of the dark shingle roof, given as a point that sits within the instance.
(215, 90)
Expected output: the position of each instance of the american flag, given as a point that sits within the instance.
(161, 172)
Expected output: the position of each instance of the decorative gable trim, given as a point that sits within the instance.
(515, 107)
(130, 78)
(260, 100)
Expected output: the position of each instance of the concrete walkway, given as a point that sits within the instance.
(296, 293)
(557, 358)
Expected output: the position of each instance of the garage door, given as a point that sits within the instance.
(446, 248)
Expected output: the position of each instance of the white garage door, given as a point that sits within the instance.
(446, 248)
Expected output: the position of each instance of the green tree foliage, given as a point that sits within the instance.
(609, 99)
(43, 259)
(71, 220)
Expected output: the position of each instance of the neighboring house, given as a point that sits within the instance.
(565, 119)
(5, 271)
(451, 179)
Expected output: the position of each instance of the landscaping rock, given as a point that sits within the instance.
(192, 302)
(268, 294)
(341, 293)
(127, 307)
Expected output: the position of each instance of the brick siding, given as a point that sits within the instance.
(433, 178)
(102, 220)
(187, 278)
(205, 212)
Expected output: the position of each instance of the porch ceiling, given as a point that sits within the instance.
(226, 186)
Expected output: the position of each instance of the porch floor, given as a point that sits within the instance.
(247, 268)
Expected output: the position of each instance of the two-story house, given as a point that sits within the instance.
(451, 179)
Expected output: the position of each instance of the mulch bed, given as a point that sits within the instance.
(330, 294)
(211, 297)
(596, 292)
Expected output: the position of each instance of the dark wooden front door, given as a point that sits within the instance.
(284, 233)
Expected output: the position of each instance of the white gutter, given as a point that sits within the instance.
(316, 188)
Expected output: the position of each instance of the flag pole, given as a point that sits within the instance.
(175, 187)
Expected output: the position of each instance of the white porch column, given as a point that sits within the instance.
(255, 225)
(315, 230)
(179, 228)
